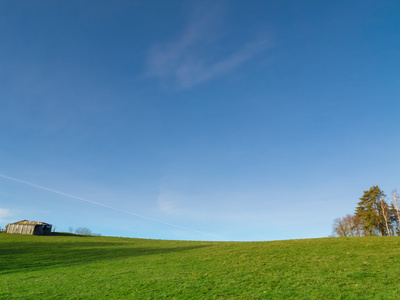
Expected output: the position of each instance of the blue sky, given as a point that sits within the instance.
(218, 120)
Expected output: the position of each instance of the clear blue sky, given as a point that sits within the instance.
(219, 120)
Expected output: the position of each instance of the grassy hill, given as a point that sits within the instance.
(78, 267)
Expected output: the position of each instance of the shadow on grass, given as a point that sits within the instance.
(64, 234)
(25, 256)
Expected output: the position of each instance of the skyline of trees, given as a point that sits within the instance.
(374, 216)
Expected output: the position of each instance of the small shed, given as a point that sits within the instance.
(29, 227)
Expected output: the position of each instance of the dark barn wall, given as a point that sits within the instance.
(42, 230)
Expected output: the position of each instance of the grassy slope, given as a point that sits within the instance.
(74, 267)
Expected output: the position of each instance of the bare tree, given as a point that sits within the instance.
(83, 231)
(357, 226)
(349, 225)
(340, 228)
(385, 214)
(396, 198)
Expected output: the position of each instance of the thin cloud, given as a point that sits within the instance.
(4, 214)
(173, 204)
(100, 204)
(209, 207)
(188, 60)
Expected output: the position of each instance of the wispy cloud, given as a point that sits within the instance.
(97, 203)
(4, 214)
(225, 206)
(193, 56)
(170, 203)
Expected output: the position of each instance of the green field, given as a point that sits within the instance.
(78, 267)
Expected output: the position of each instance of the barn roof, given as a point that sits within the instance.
(27, 222)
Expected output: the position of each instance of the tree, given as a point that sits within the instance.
(374, 215)
(349, 225)
(340, 227)
(83, 231)
(384, 208)
(370, 210)
(395, 214)
(395, 204)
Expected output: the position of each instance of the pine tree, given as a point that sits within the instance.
(370, 210)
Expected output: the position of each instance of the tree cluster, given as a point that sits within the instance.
(374, 215)
(82, 231)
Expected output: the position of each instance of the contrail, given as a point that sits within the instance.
(101, 204)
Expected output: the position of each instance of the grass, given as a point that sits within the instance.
(77, 267)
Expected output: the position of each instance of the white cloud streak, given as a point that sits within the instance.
(98, 204)
(188, 60)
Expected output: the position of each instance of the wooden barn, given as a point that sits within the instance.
(29, 227)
